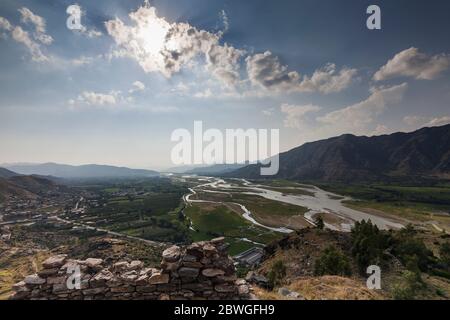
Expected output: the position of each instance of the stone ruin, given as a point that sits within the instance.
(202, 270)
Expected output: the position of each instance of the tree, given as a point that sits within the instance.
(276, 274)
(368, 244)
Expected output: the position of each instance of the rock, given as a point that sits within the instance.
(243, 290)
(209, 250)
(172, 254)
(186, 272)
(94, 291)
(101, 278)
(20, 287)
(142, 280)
(163, 297)
(213, 272)
(285, 292)
(120, 266)
(135, 265)
(148, 271)
(189, 258)
(55, 280)
(123, 289)
(44, 273)
(34, 280)
(129, 276)
(196, 250)
(159, 278)
(94, 263)
(225, 288)
(55, 261)
(258, 279)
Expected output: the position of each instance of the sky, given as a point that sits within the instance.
(114, 90)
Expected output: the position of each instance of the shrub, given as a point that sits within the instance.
(444, 252)
(333, 262)
(368, 244)
(276, 274)
(411, 251)
(407, 287)
(319, 223)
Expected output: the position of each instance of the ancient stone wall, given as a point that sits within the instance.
(202, 270)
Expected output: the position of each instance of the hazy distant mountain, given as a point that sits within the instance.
(5, 173)
(80, 172)
(348, 158)
(182, 169)
(217, 169)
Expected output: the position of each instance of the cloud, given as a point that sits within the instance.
(265, 70)
(225, 21)
(357, 117)
(27, 16)
(412, 63)
(137, 86)
(295, 114)
(439, 121)
(207, 93)
(97, 99)
(23, 37)
(160, 46)
(4, 24)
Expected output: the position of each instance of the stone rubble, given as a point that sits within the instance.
(200, 271)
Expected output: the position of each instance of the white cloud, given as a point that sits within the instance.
(414, 120)
(207, 93)
(296, 113)
(97, 99)
(137, 86)
(439, 121)
(412, 63)
(160, 46)
(22, 36)
(380, 130)
(4, 24)
(358, 117)
(27, 16)
(265, 70)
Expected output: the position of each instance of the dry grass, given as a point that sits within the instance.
(325, 288)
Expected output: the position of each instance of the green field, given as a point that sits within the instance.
(214, 221)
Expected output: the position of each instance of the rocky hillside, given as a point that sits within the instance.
(25, 187)
(349, 158)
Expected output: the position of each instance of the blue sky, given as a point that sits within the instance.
(114, 91)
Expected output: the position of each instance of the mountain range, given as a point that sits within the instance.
(80, 172)
(424, 153)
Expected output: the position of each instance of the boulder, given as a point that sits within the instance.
(186, 272)
(172, 254)
(159, 278)
(55, 261)
(34, 279)
(213, 272)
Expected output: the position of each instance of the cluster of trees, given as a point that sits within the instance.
(371, 246)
